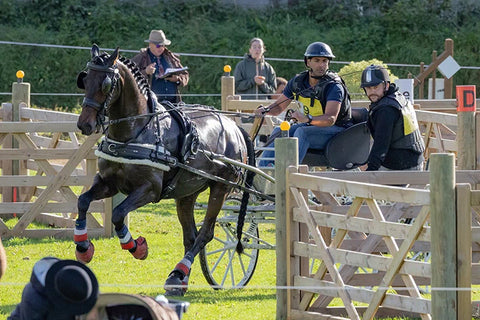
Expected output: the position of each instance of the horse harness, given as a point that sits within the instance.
(148, 154)
(157, 156)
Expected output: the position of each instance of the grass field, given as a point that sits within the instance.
(118, 271)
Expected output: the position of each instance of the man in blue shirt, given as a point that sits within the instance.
(325, 99)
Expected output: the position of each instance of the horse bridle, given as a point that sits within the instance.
(108, 87)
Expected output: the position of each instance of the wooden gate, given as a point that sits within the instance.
(380, 253)
(45, 165)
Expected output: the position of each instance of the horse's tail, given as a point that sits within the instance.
(248, 183)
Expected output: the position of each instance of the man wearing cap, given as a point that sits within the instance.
(58, 289)
(397, 142)
(154, 60)
(325, 100)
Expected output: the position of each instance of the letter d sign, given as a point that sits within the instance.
(466, 99)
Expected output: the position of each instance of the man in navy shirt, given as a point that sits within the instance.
(325, 99)
(397, 142)
(154, 60)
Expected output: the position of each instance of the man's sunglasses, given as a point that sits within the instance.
(159, 45)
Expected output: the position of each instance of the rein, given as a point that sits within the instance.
(133, 153)
(186, 107)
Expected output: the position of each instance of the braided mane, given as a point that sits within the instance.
(142, 82)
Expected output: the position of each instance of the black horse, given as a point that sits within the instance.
(151, 152)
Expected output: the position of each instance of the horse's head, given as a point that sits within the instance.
(99, 81)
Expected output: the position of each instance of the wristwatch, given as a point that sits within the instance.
(310, 118)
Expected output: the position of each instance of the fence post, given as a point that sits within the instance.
(286, 154)
(464, 251)
(228, 86)
(448, 83)
(443, 236)
(466, 107)
(20, 99)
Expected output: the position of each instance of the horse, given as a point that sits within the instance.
(152, 151)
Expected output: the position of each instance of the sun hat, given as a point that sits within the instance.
(158, 37)
(70, 285)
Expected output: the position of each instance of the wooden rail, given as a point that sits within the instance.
(55, 165)
(369, 263)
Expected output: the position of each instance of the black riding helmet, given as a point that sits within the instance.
(318, 49)
(374, 75)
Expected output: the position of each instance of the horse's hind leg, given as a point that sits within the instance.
(175, 284)
(84, 248)
(177, 281)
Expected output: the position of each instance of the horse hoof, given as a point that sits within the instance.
(87, 256)
(141, 252)
(174, 286)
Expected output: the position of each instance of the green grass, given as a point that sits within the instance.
(118, 271)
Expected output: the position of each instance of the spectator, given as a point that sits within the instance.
(325, 99)
(254, 77)
(397, 142)
(154, 60)
(58, 289)
(3, 259)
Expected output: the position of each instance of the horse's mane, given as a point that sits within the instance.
(142, 82)
(140, 79)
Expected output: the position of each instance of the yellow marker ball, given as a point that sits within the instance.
(284, 126)
(20, 74)
(227, 68)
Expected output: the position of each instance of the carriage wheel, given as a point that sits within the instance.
(222, 266)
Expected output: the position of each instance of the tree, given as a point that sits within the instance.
(352, 74)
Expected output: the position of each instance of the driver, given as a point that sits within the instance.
(325, 100)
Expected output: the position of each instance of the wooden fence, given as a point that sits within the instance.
(45, 165)
(376, 263)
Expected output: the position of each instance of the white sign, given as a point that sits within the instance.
(448, 67)
(439, 88)
(405, 86)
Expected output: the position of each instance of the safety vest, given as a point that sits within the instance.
(315, 101)
(406, 134)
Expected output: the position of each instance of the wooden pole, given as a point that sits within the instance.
(20, 99)
(466, 108)
(286, 154)
(464, 252)
(420, 83)
(466, 140)
(434, 76)
(443, 236)
(228, 89)
(477, 141)
(7, 192)
(448, 84)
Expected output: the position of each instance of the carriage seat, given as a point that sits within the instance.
(348, 149)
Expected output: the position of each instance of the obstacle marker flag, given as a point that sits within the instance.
(466, 98)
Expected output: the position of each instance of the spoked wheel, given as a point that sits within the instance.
(222, 266)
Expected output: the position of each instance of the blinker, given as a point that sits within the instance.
(106, 85)
(80, 78)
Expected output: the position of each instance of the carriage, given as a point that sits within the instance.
(221, 267)
(152, 151)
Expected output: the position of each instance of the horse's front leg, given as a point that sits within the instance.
(138, 198)
(177, 281)
(100, 190)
